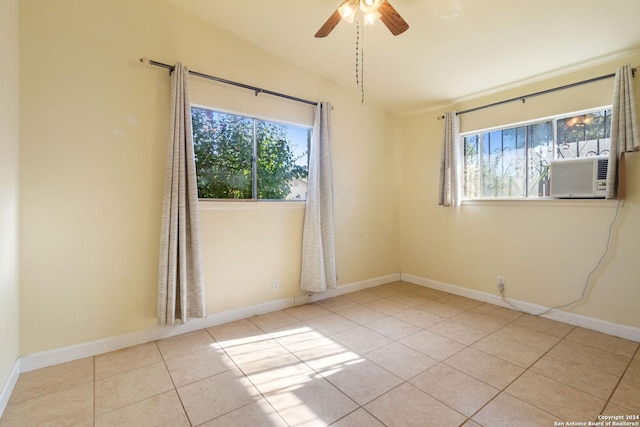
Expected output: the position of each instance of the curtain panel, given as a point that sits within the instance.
(318, 272)
(624, 130)
(450, 193)
(180, 279)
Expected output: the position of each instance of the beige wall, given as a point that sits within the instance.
(93, 133)
(8, 188)
(544, 250)
(93, 140)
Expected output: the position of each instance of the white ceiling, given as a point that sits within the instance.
(454, 49)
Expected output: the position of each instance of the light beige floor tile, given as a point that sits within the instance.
(117, 362)
(407, 406)
(459, 332)
(507, 411)
(307, 311)
(417, 317)
(255, 350)
(353, 346)
(163, 410)
(541, 324)
(185, 343)
(315, 403)
(500, 313)
(198, 365)
(480, 321)
(566, 403)
(456, 389)
(432, 294)
(401, 360)
(382, 291)
(256, 414)
(627, 394)
(506, 349)
(70, 407)
(301, 339)
(51, 379)
(529, 337)
(360, 314)
(401, 286)
(359, 418)
(331, 324)
(433, 345)
(277, 373)
(330, 356)
(493, 371)
(633, 371)
(336, 303)
(408, 299)
(392, 327)
(130, 387)
(362, 381)
(590, 380)
(212, 397)
(361, 297)
(600, 359)
(274, 320)
(361, 339)
(460, 302)
(386, 306)
(602, 341)
(233, 333)
(439, 309)
(613, 409)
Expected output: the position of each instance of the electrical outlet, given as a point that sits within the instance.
(500, 284)
(276, 285)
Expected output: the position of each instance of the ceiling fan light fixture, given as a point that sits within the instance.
(370, 6)
(348, 10)
(371, 17)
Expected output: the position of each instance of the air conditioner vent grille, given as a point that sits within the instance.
(602, 168)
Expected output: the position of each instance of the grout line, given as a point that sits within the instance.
(613, 391)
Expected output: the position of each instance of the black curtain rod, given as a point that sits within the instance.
(256, 90)
(543, 92)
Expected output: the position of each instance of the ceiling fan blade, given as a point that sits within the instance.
(331, 23)
(392, 19)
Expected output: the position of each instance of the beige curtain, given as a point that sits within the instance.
(318, 271)
(180, 279)
(450, 164)
(624, 130)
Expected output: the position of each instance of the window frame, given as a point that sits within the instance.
(526, 199)
(254, 159)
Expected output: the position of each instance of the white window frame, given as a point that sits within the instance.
(254, 159)
(554, 119)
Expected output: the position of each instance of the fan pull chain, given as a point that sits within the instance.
(360, 61)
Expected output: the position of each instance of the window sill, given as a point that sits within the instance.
(229, 204)
(551, 203)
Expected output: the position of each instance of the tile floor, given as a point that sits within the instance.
(393, 355)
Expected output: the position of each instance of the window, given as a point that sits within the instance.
(513, 161)
(240, 157)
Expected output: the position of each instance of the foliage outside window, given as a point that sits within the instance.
(513, 161)
(240, 157)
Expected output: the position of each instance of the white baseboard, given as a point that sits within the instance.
(5, 394)
(604, 326)
(56, 356)
(46, 358)
(354, 287)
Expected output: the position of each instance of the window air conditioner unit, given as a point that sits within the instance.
(579, 178)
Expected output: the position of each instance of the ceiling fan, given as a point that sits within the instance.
(372, 10)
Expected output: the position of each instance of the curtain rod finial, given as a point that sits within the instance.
(144, 60)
